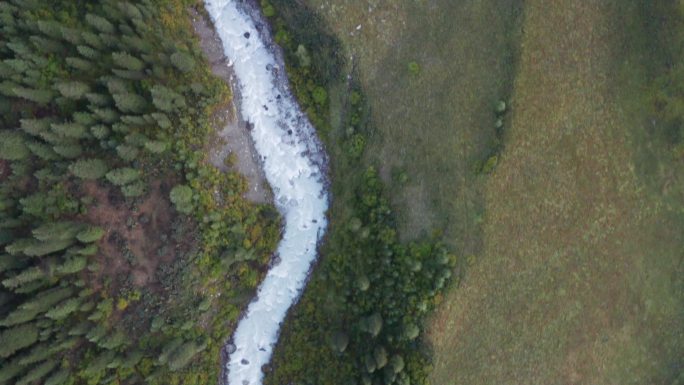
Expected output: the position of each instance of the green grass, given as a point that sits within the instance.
(433, 74)
(580, 278)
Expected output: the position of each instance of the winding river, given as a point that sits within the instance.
(294, 164)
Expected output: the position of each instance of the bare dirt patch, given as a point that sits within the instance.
(5, 169)
(233, 146)
(580, 278)
(138, 236)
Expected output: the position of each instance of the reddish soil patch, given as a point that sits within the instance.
(138, 236)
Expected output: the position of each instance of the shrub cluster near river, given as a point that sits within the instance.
(126, 256)
(359, 319)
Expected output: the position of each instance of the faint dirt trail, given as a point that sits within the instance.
(576, 282)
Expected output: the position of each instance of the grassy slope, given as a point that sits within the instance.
(435, 125)
(580, 281)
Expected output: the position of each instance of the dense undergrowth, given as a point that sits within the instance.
(359, 320)
(105, 109)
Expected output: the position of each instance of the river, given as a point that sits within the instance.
(294, 164)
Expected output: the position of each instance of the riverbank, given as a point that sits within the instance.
(233, 146)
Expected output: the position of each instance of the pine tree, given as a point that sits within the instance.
(68, 150)
(12, 146)
(156, 146)
(127, 153)
(40, 249)
(38, 372)
(49, 27)
(72, 265)
(89, 168)
(130, 103)
(92, 40)
(71, 35)
(46, 45)
(100, 100)
(17, 338)
(35, 126)
(182, 355)
(58, 378)
(39, 96)
(100, 23)
(41, 150)
(79, 63)
(10, 370)
(123, 176)
(107, 115)
(90, 234)
(100, 131)
(40, 303)
(62, 310)
(182, 61)
(28, 275)
(38, 352)
(72, 89)
(88, 52)
(130, 10)
(69, 130)
(166, 99)
(62, 230)
(127, 61)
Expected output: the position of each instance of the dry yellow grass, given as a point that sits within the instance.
(580, 278)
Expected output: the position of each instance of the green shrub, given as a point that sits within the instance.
(181, 197)
(413, 68)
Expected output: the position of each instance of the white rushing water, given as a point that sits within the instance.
(293, 160)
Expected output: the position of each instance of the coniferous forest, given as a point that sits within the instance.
(125, 256)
